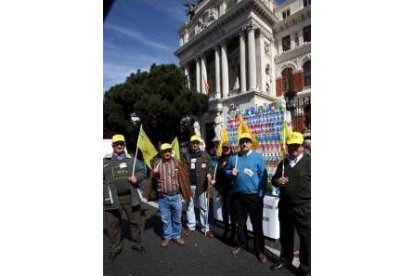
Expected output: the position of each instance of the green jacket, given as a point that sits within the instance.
(110, 199)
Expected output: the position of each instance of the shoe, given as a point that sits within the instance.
(209, 234)
(277, 265)
(164, 243)
(179, 241)
(112, 255)
(140, 248)
(187, 232)
(262, 258)
(236, 250)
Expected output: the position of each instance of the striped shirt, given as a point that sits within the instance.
(168, 179)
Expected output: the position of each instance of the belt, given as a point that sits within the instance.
(168, 194)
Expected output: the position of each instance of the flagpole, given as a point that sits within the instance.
(136, 153)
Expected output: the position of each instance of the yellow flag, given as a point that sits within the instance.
(224, 138)
(176, 148)
(244, 128)
(146, 147)
(283, 149)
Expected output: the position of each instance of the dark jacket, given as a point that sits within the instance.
(202, 167)
(109, 189)
(298, 190)
(223, 183)
(182, 181)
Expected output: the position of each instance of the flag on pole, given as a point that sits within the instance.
(176, 148)
(146, 147)
(244, 128)
(224, 138)
(285, 131)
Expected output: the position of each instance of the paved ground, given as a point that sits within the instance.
(199, 255)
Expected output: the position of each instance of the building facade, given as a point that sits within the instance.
(243, 53)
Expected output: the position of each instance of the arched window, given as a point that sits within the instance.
(307, 74)
(287, 79)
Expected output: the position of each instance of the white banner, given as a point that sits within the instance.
(270, 215)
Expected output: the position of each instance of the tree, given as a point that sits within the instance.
(159, 97)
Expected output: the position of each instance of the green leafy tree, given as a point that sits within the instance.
(159, 97)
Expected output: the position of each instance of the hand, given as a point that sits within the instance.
(132, 179)
(235, 171)
(213, 183)
(283, 181)
(209, 177)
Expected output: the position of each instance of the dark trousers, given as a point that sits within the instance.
(298, 217)
(251, 205)
(228, 212)
(113, 222)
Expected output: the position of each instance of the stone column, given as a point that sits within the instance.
(217, 69)
(225, 70)
(203, 74)
(252, 56)
(187, 75)
(262, 63)
(242, 62)
(198, 75)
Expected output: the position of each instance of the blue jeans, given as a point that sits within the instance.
(170, 209)
(200, 201)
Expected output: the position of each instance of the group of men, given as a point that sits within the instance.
(241, 180)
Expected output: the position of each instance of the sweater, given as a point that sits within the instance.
(252, 176)
(298, 189)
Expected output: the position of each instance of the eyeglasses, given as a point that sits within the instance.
(116, 144)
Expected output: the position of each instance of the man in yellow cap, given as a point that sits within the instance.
(248, 171)
(198, 167)
(293, 176)
(169, 182)
(120, 193)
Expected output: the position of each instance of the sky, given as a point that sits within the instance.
(138, 33)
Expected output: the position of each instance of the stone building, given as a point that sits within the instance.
(247, 52)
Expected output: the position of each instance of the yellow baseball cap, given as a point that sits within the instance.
(195, 138)
(245, 136)
(165, 146)
(294, 138)
(118, 138)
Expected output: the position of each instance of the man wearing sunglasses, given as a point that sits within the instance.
(248, 171)
(293, 176)
(120, 193)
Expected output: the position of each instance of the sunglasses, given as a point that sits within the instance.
(116, 144)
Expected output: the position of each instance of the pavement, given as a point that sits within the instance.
(198, 256)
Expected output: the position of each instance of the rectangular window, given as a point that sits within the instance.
(307, 80)
(286, 43)
(286, 13)
(307, 34)
(306, 3)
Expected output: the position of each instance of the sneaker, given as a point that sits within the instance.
(236, 250)
(209, 234)
(179, 241)
(277, 265)
(164, 243)
(112, 255)
(140, 248)
(187, 232)
(262, 258)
